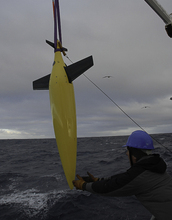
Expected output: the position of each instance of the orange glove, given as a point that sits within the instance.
(78, 183)
(90, 178)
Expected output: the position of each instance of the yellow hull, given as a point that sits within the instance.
(62, 102)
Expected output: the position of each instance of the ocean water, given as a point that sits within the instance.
(33, 185)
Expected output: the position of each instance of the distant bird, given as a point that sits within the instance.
(171, 98)
(146, 106)
(107, 76)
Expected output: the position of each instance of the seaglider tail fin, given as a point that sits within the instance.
(50, 43)
(78, 68)
(53, 46)
(72, 71)
(42, 83)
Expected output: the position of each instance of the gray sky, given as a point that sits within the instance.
(127, 40)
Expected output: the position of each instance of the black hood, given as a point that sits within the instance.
(153, 163)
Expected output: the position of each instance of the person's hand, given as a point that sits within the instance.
(90, 178)
(78, 183)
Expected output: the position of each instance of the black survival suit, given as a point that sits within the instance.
(147, 180)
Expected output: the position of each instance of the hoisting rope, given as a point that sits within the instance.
(126, 113)
(121, 109)
(57, 24)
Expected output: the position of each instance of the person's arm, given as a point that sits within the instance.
(124, 184)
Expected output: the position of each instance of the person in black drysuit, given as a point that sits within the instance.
(147, 178)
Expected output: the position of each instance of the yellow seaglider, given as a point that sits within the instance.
(62, 102)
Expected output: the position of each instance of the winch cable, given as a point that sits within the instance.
(121, 108)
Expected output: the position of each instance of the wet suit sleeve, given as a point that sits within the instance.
(117, 185)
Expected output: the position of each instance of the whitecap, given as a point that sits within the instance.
(32, 201)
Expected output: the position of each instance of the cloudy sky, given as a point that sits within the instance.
(127, 40)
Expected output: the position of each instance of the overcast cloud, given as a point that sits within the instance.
(127, 40)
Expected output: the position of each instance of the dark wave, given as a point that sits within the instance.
(33, 185)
